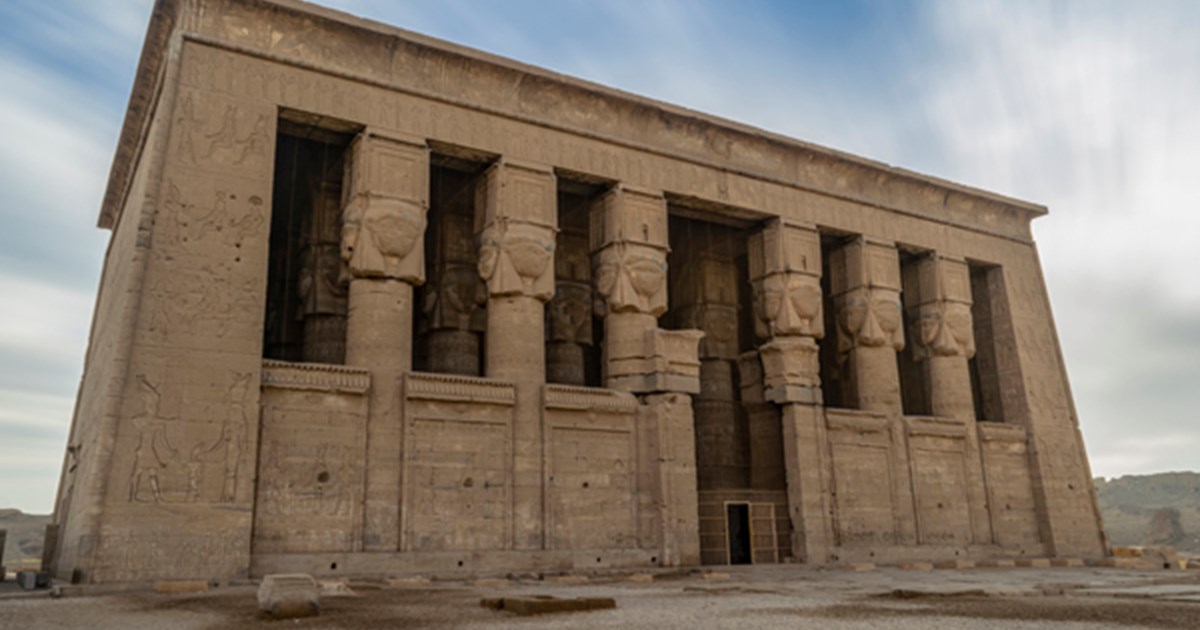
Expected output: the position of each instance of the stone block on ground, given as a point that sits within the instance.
(642, 578)
(857, 567)
(1033, 563)
(30, 580)
(542, 604)
(336, 588)
(916, 566)
(1066, 562)
(180, 586)
(955, 564)
(289, 596)
(996, 563)
(714, 575)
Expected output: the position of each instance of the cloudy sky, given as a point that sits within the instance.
(1089, 107)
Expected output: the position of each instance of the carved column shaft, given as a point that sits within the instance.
(865, 282)
(866, 292)
(629, 260)
(943, 339)
(382, 245)
(516, 211)
(943, 336)
(785, 272)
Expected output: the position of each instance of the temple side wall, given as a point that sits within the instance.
(79, 507)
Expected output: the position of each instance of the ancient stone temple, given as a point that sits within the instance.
(377, 304)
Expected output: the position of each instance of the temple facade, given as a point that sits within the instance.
(377, 304)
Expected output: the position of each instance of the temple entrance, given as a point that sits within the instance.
(739, 445)
(737, 519)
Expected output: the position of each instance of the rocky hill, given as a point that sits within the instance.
(1162, 509)
(23, 547)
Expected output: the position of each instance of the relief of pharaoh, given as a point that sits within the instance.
(870, 317)
(788, 304)
(943, 329)
(380, 237)
(632, 278)
(514, 259)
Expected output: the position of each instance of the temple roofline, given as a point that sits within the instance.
(165, 19)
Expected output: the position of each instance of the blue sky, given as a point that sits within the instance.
(1088, 106)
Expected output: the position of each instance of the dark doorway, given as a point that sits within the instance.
(738, 521)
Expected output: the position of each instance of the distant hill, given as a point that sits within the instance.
(1162, 509)
(23, 547)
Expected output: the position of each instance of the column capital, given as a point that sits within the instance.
(866, 293)
(785, 274)
(941, 310)
(384, 208)
(629, 250)
(516, 225)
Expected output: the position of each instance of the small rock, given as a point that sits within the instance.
(289, 596)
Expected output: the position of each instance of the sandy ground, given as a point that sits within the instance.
(762, 597)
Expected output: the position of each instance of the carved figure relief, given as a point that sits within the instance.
(788, 304)
(322, 287)
(632, 277)
(515, 258)
(569, 317)
(161, 472)
(231, 138)
(380, 238)
(454, 302)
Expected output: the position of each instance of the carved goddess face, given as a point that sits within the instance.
(632, 278)
(515, 258)
(871, 317)
(789, 304)
(945, 329)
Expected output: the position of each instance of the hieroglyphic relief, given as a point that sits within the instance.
(175, 460)
(213, 133)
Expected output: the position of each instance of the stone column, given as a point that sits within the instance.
(569, 316)
(943, 338)
(629, 258)
(382, 245)
(866, 291)
(865, 282)
(785, 272)
(322, 287)
(454, 298)
(516, 216)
